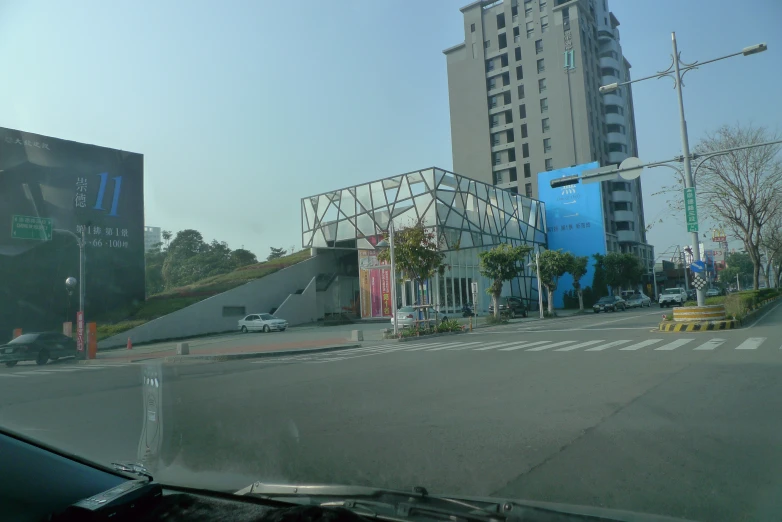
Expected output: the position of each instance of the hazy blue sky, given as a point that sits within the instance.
(242, 107)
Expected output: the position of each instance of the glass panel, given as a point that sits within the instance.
(482, 208)
(477, 240)
(464, 184)
(331, 213)
(348, 204)
(323, 205)
(454, 219)
(391, 187)
(533, 214)
(306, 239)
(406, 219)
(366, 226)
(430, 217)
(481, 191)
(381, 218)
(346, 230)
(404, 190)
(318, 240)
(466, 240)
(362, 197)
(306, 212)
(330, 231)
(363, 244)
(428, 176)
(422, 203)
(446, 197)
(443, 180)
(442, 212)
(378, 194)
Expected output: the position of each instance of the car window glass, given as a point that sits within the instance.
(266, 317)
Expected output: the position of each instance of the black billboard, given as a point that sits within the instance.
(49, 186)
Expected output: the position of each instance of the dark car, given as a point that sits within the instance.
(610, 303)
(511, 305)
(38, 347)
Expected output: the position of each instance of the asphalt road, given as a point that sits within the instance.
(597, 410)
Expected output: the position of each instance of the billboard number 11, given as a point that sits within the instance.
(102, 192)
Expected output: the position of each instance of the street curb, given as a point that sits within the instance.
(699, 326)
(226, 356)
(750, 316)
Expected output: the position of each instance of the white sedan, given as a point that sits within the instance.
(262, 323)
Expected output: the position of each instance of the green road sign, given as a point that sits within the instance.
(690, 209)
(30, 227)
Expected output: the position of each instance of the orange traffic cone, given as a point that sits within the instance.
(130, 344)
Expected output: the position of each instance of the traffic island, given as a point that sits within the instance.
(699, 319)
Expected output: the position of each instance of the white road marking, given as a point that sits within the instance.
(429, 347)
(9, 375)
(523, 345)
(34, 372)
(58, 370)
(608, 345)
(501, 345)
(453, 346)
(710, 345)
(642, 344)
(751, 344)
(546, 347)
(577, 346)
(485, 345)
(675, 344)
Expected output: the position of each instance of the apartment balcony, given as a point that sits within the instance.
(499, 90)
(617, 157)
(624, 215)
(626, 236)
(612, 117)
(503, 166)
(609, 61)
(502, 146)
(622, 195)
(500, 108)
(501, 127)
(612, 99)
(616, 137)
(497, 71)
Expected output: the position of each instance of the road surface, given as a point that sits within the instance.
(594, 409)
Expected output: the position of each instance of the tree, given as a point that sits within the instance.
(500, 264)
(577, 267)
(416, 255)
(738, 266)
(742, 189)
(623, 270)
(553, 265)
(276, 253)
(242, 257)
(599, 285)
(772, 250)
(166, 237)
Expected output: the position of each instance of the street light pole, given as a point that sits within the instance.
(81, 242)
(540, 289)
(688, 181)
(393, 276)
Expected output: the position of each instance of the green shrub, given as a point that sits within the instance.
(490, 319)
(107, 330)
(451, 325)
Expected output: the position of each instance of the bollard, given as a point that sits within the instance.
(130, 344)
(182, 349)
(357, 335)
(17, 332)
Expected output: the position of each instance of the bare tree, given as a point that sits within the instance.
(741, 189)
(772, 250)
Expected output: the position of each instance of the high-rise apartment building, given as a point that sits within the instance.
(524, 98)
(152, 237)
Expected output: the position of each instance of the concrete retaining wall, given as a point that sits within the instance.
(300, 308)
(212, 316)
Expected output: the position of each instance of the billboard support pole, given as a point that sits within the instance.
(82, 243)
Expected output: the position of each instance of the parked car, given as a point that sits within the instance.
(673, 297)
(262, 323)
(611, 303)
(408, 316)
(638, 300)
(513, 305)
(38, 347)
(692, 294)
(713, 292)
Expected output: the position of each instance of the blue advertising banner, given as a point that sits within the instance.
(575, 221)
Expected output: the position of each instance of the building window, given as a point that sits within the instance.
(527, 171)
(523, 130)
(609, 54)
(504, 60)
(495, 139)
(541, 66)
(617, 147)
(538, 46)
(615, 127)
(491, 84)
(528, 190)
(614, 109)
(516, 37)
(513, 175)
(528, 13)
(544, 105)
(487, 44)
(623, 205)
(514, 190)
(546, 144)
(503, 41)
(549, 164)
(505, 79)
(489, 65)
(492, 102)
(541, 85)
(509, 136)
(521, 92)
(517, 53)
(497, 178)
(543, 24)
(495, 120)
(522, 111)
(500, 20)
(544, 124)
(525, 150)
(609, 71)
(497, 158)
(569, 59)
(511, 155)
(519, 73)
(542, 4)
(508, 116)
(530, 29)
(472, 28)
(620, 185)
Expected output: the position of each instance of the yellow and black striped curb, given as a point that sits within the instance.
(701, 326)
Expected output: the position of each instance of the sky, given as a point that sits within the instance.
(241, 108)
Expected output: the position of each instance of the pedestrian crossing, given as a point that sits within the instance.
(661, 344)
(28, 371)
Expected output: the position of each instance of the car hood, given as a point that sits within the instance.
(409, 505)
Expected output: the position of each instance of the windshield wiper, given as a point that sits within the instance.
(132, 468)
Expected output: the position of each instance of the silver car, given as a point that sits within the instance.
(638, 300)
(262, 323)
(407, 316)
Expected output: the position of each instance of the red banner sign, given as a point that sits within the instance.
(385, 289)
(377, 301)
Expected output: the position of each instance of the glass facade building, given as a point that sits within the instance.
(467, 217)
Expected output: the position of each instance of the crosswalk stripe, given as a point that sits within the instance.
(451, 346)
(642, 344)
(751, 344)
(607, 345)
(501, 345)
(711, 344)
(34, 372)
(577, 346)
(467, 346)
(675, 344)
(412, 346)
(547, 346)
(59, 370)
(489, 346)
(428, 346)
(9, 375)
(525, 344)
